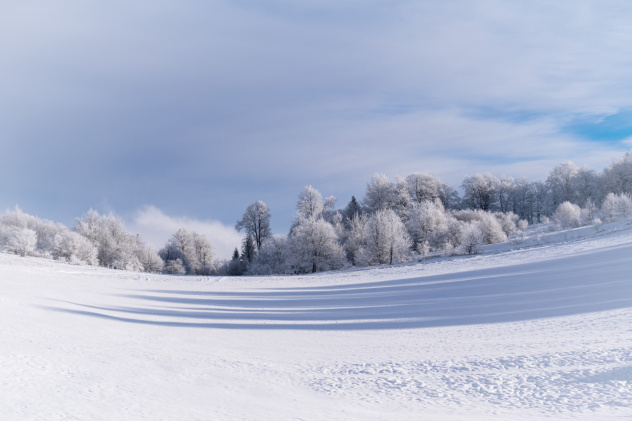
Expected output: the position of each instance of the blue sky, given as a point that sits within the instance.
(184, 112)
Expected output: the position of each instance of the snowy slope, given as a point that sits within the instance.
(538, 333)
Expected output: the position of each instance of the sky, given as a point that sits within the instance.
(182, 113)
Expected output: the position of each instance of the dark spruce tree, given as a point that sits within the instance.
(352, 209)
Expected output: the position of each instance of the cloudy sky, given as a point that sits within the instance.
(183, 112)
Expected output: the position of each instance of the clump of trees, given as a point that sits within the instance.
(27, 235)
(188, 253)
(419, 215)
(102, 240)
(396, 221)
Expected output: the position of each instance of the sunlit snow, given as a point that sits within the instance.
(539, 327)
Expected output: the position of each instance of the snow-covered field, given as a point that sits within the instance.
(543, 332)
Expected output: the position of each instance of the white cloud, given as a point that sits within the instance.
(261, 98)
(155, 227)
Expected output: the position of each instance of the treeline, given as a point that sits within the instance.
(403, 219)
(395, 221)
(103, 240)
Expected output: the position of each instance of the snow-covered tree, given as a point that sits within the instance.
(203, 260)
(72, 247)
(179, 246)
(428, 224)
(16, 218)
(386, 239)
(379, 194)
(561, 183)
(192, 249)
(401, 201)
(616, 206)
(256, 222)
(271, 258)
(310, 203)
(428, 188)
(588, 186)
(508, 222)
(480, 191)
(175, 267)
(567, 215)
(248, 249)
(355, 237)
(21, 241)
(617, 178)
(493, 232)
(488, 223)
(471, 238)
(504, 192)
(45, 230)
(312, 247)
(149, 260)
(116, 248)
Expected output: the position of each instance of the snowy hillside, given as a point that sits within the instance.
(542, 332)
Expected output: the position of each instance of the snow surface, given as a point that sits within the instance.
(539, 332)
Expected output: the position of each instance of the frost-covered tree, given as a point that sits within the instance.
(21, 241)
(116, 248)
(16, 218)
(493, 232)
(427, 225)
(423, 187)
(541, 201)
(487, 222)
(150, 260)
(428, 188)
(587, 186)
(312, 247)
(174, 267)
(567, 215)
(386, 239)
(471, 238)
(256, 222)
(522, 199)
(379, 194)
(480, 191)
(617, 178)
(615, 207)
(561, 183)
(44, 229)
(504, 192)
(355, 237)
(52, 240)
(271, 258)
(248, 249)
(508, 222)
(194, 251)
(179, 246)
(203, 260)
(401, 201)
(72, 247)
(310, 203)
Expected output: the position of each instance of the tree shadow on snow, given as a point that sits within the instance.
(592, 282)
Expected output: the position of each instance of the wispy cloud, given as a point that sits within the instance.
(156, 228)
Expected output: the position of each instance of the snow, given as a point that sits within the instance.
(539, 328)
